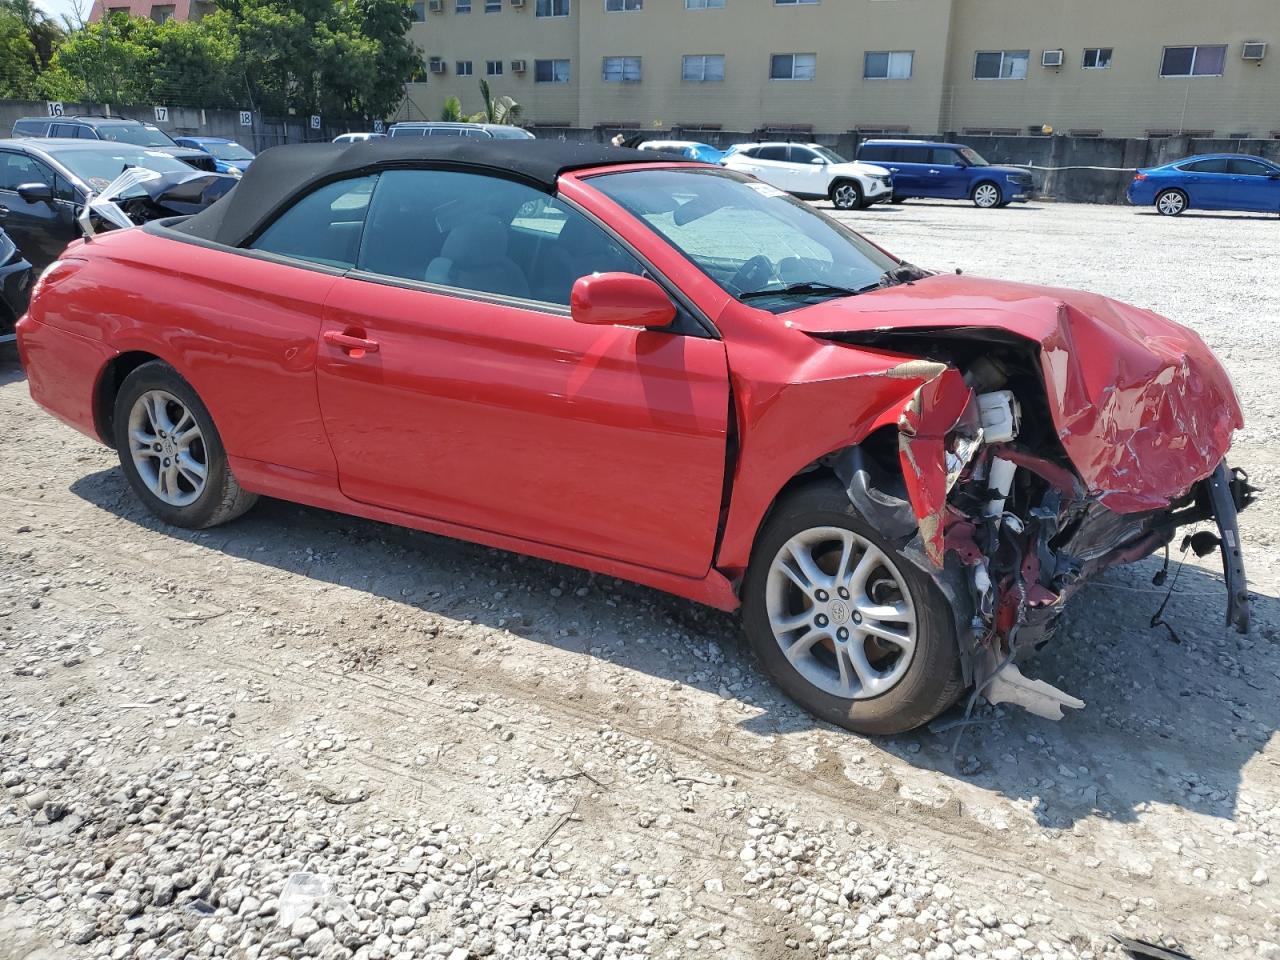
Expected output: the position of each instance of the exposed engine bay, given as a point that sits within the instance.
(988, 502)
(140, 196)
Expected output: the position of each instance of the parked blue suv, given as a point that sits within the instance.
(1212, 181)
(949, 170)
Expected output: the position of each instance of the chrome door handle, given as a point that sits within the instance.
(933, 171)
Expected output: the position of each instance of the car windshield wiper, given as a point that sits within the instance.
(808, 288)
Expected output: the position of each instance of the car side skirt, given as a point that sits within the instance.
(318, 490)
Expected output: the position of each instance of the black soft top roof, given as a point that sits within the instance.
(280, 175)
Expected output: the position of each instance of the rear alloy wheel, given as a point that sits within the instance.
(848, 627)
(987, 195)
(846, 195)
(1171, 203)
(171, 453)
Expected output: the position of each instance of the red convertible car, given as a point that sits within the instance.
(661, 371)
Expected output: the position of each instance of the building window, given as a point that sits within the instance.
(419, 13)
(551, 71)
(621, 6)
(703, 67)
(462, 6)
(791, 3)
(621, 69)
(1096, 58)
(793, 66)
(492, 6)
(887, 65)
(1201, 61)
(162, 13)
(1001, 64)
(704, 4)
(551, 8)
(463, 68)
(493, 68)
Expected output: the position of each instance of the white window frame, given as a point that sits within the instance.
(629, 69)
(568, 73)
(1004, 56)
(464, 68)
(418, 11)
(1195, 49)
(890, 54)
(704, 4)
(793, 77)
(493, 68)
(461, 6)
(794, 3)
(550, 7)
(1097, 51)
(701, 59)
(492, 6)
(623, 6)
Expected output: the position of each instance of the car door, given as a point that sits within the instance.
(770, 164)
(41, 229)
(908, 168)
(1254, 185)
(455, 385)
(1206, 183)
(808, 172)
(948, 174)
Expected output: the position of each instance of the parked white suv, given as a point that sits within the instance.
(813, 172)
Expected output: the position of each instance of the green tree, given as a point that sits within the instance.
(109, 62)
(196, 63)
(452, 111)
(43, 31)
(17, 56)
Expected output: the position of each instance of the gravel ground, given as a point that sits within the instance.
(309, 735)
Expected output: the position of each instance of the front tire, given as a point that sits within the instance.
(847, 195)
(1171, 203)
(846, 625)
(171, 453)
(987, 195)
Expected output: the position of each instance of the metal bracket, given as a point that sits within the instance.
(1224, 511)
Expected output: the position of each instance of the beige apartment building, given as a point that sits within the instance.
(1116, 68)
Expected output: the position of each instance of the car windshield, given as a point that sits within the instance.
(228, 151)
(140, 135)
(759, 244)
(828, 155)
(98, 168)
(973, 157)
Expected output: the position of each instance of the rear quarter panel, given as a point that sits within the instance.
(241, 330)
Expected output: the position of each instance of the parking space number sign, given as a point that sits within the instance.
(162, 114)
(315, 121)
(246, 118)
(55, 108)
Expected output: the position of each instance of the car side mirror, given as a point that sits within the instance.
(620, 300)
(35, 192)
(1273, 176)
(960, 163)
(818, 160)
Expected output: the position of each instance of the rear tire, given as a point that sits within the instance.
(171, 452)
(847, 195)
(1171, 203)
(893, 597)
(987, 195)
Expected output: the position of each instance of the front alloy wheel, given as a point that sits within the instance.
(847, 625)
(986, 196)
(847, 196)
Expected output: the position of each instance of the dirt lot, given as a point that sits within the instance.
(482, 754)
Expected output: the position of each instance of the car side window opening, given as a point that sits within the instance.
(484, 234)
(17, 169)
(754, 240)
(1248, 168)
(324, 226)
(1216, 165)
(771, 153)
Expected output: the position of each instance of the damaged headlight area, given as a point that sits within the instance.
(1002, 521)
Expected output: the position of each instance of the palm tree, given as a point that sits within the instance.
(496, 109)
(43, 31)
(452, 111)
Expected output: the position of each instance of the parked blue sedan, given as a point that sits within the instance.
(229, 156)
(1217, 181)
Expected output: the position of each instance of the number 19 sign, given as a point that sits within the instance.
(315, 121)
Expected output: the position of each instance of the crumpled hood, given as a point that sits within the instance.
(1141, 406)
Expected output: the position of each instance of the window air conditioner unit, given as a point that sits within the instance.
(437, 65)
(435, 6)
(1051, 58)
(517, 3)
(517, 66)
(1254, 50)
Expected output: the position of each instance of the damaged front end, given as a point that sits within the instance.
(1005, 507)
